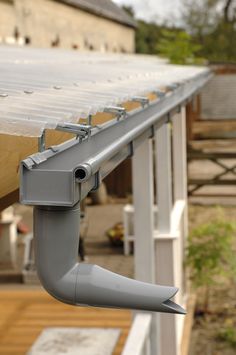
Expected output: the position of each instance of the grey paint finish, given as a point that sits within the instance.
(56, 244)
(57, 179)
(218, 98)
(40, 171)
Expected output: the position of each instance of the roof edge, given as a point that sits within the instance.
(83, 5)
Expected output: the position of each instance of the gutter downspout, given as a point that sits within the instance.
(56, 231)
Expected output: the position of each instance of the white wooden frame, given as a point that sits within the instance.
(128, 220)
(159, 253)
(138, 342)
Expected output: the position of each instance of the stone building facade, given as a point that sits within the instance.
(72, 24)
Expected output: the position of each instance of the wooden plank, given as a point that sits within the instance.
(119, 181)
(8, 200)
(213, 129)
(138, 335)
(163, 177)
(213, 181)
(25, 313)
(201, 155)
(13, 149)
(168, 247)
(143, 196)
(192, 116)
(179, 156)
(188, 323)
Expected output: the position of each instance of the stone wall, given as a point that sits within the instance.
(7, 19)
(47, 23)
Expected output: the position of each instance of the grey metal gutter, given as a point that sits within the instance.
(67, 163)
(56, 180)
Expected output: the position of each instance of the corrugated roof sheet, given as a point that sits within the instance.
(104, 8)
(41, 87)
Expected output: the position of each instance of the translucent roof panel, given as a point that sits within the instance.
(39, 88)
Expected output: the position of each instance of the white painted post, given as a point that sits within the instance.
(142, 165)
(185, 168)
(165, 242)
(138, 338)
(142, 171)
(8, 236)
(126, 220)
(179, 156)
(163, 176)
(180, 177)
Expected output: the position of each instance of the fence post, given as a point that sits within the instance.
(180, 161)
(179, 155)
(180, 181)
(142, 172)
(166, 242)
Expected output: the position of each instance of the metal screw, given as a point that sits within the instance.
(117, 110)
(80, 130)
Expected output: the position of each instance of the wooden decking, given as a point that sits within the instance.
(25, 313)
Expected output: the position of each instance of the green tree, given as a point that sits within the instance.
(178, 47)
(147, 37)
(212, 23)
(129, 10)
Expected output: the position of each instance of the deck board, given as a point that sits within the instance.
(25, 313)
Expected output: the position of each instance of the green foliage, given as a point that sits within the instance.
(209, 31)
(129, 10)
(178, 47)
(228, 335)
(212, 23)
(210, 254)
(147, 37)
(220, 45)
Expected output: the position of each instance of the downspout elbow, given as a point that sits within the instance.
(56, 254)
(56, 242)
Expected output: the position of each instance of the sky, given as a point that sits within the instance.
(155, 10)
